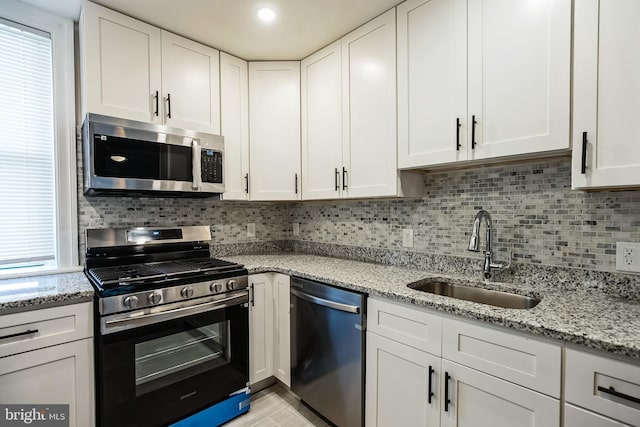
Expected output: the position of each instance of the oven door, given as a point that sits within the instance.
(162, 366)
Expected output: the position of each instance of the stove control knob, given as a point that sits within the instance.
(186, 292)
(231, 285)
(215, 287)
(154, 298)
(130, 302)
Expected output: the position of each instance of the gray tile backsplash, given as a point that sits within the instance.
(535, 214)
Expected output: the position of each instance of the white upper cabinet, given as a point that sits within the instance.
(234, 100)
(121, 65)
(519, 69)
(190, 84)
(369, 108)
(606, 94)
(432, 82)
(135, 71)
(321, 83)
(482, 79)
(274, 130)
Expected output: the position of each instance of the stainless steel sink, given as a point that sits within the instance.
(444, 287)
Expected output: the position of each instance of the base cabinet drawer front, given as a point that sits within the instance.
(398, 384)
(35, 329)
(531, 363)
(480, 400)
(578, 417)
(607, 386)
(410, 326)
(62, 374)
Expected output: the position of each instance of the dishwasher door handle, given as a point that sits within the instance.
(326, 303)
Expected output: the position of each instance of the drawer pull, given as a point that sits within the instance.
(431, 371)
(612, 391)
(19, 334)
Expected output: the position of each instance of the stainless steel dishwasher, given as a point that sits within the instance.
(327, 350)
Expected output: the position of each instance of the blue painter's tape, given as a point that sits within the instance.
(237, 404)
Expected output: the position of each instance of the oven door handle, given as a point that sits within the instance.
(148, 319)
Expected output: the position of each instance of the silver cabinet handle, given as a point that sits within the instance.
(326, 303)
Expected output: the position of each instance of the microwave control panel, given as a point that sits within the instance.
(211, 166)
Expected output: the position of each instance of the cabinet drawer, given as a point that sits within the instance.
(531, 363)
(410, 326)
(588, 382)
(578, 417)
(34, 329)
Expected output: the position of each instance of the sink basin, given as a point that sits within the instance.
(444, 287)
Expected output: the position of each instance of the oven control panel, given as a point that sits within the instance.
(141, 300)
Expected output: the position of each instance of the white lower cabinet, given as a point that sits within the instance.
(578, 417)
(604, 385)
(62, 374)
(473, 399)
(59, 370)
(402, 385)
(281, 316)
(269, 328)
(408, 386)
(260, 328)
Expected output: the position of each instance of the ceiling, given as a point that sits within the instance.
(300, 28)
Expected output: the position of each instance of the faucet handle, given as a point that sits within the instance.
(502, 265)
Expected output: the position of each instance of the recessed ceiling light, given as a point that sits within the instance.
(266, 15)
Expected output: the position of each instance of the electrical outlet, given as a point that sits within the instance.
(296, 228)
(407, 238)
(628, 256)
(251, 229)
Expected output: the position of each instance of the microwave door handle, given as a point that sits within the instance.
(196, 159)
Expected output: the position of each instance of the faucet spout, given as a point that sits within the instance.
(474, 244)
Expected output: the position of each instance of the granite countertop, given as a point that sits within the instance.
(569, 313)
(33, 292)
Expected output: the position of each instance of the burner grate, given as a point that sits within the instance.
(122, 273)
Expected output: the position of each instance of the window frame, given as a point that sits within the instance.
(61, 30)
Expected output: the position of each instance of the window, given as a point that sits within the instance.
(38, 219)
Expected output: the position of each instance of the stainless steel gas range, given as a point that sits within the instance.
(172, 331)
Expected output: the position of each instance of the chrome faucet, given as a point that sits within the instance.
(474, 245)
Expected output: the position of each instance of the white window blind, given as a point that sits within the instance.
(27, 176)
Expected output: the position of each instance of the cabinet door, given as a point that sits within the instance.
(397, 385)
(121, 64)
(282, 353)
(578, 417)
(369, 108)
(519, 70)
(480, 400)
(432, 82)
(606, 94)
(234, 100)
(62, 374)
(190, 84)
(260, 328)
(274, 130)
(321, 96)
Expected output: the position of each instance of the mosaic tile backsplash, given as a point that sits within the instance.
(535, 214)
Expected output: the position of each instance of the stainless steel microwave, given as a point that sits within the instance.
(125, 157)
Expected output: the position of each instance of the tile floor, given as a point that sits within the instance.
(276, 406)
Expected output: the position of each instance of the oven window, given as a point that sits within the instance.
(166, 360)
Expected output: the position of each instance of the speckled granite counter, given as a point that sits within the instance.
(566, 312)
(33, 292)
